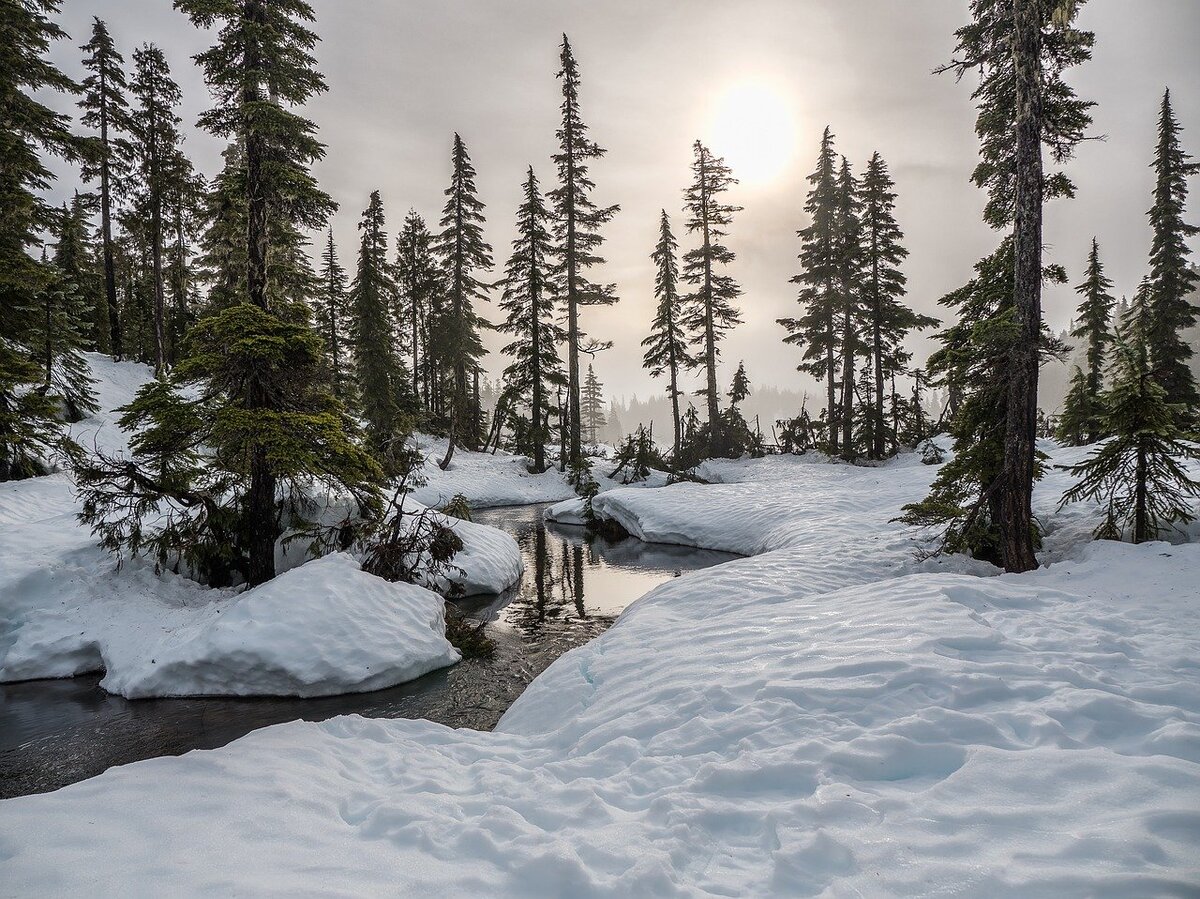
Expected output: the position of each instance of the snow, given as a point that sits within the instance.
(320, 628)
(828, 717)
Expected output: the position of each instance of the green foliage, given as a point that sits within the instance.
(636, 457)
(667, 345)
(1082, 417)
(459, 507)
(1093, 327)
(592, 407)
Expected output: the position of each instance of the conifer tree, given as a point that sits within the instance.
(816, 330)
(710, 307)
(851, 314)
(889, 319)
(592, 406)
(382, 382)
(333, 316)
(464, 254)
(106, 110)
(76, 262)
(28, 428)
(530, 303)
(577, 232)
(417, 280)
(667, 346)
(1139, 475)
(64, 312)
(739, 389)
(1082, 411)
(185, 194)
(1172, 279)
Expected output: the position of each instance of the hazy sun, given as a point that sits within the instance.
(754, 129)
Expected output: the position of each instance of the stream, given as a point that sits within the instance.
(57, 732)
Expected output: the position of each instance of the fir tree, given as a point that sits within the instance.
(28, 128)
(740, 388)
(667, 346)
(333, 315)
(417, 279)
(710, 310)
(1082, 411)
(1139, 475)
(577, 232)
(816, 329)
(592, 406)
(530, 303)
(382, 382)
(463, 253)
(1172, 279)
(106, 110)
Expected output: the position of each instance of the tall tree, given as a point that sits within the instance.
(530, 303)
(464, 254)
(851, 312)
(592, 406)
(710, 312)
(417, 279)
(106, 110)
(1172, 279)
(1082, 410)
(63, 319)
(816, 329)
(577, 231)
(333, 314)
(381, 379)
(667, 346)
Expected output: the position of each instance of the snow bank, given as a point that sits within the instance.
(826, 718)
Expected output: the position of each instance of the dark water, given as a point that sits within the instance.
(56, 732)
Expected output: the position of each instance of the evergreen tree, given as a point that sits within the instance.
(816, 329)
(383, 389)
(667, 346)
(577, 232)
(1139, 475)
(1172, 279)
(333, 315)
(221, 260)
(592, 406)
(852, 318)
(889, 320)
(28, 128)
(77, 263)
(740, 388)
(417, 279)
(710, 310)
(1082, 411)
(106, 110)
(185, 194)
(463, 253)
(64, 313)
(530, 303)
(160, 164)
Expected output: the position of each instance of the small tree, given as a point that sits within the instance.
(333, 316)
(592, 405)
(1082, 409)
(667, 346)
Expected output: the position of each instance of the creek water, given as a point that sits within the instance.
(56, 732)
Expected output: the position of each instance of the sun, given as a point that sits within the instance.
(754, 129)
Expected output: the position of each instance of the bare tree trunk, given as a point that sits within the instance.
(1020, 432)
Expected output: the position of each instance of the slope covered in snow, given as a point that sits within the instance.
(829, 717)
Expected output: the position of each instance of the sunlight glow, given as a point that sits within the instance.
(754, 129)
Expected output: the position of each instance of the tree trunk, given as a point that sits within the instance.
(847, 417)
(1141, 520)
(445, 463)
(574, 415)
(1016, 515)
(675, 406)
(831, 413)
(710, 339)
(878, 450)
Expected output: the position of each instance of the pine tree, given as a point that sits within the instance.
(1172, 279)
(889, 320)
(333, 316)
(29, 432)
(592, 406)
(577, 232)
(530, 303)
(106, 110)
(816, 329)
(382, 382)
(1082, 411)
(154, 127)
(463, 253)
(667, 346)
(710, 311)
(417, 279)
(1139, 475)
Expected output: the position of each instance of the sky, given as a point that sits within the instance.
(756, 80)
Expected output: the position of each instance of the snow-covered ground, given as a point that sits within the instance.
(324, 627)
(829, 717)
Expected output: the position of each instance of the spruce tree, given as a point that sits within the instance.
(1082, 411)
(577, 232)
(333, 316)
(667, 346)
(106, 110)
(464, 254)
(710, 307)
(417, 280)
(816, 330)
(1139, 475)
(1172, 279)
(592, 406)
(530, 302)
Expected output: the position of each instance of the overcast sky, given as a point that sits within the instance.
(404, 75)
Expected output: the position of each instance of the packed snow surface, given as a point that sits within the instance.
(325, 627)
(829, 717)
